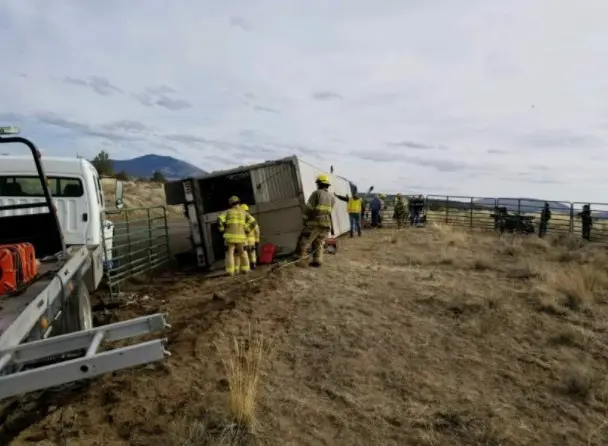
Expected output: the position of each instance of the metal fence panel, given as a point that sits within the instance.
(470, 212)
(139, 245)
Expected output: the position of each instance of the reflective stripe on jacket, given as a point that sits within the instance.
(317, 212)
(354, 205)
(254, 235)
(236, 224)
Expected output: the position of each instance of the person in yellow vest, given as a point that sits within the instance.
(253, 240)
(317, 222)
(236, 224)
(354, 206)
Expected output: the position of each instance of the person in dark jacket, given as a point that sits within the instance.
(545, 216)
(417, 208)
(586, 221)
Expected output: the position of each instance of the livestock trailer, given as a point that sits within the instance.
(275, 191)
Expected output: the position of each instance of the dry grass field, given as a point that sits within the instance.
(415, 337)
(139, 194)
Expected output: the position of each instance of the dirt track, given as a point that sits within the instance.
(424, 337)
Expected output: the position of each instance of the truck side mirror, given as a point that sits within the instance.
(119, 194)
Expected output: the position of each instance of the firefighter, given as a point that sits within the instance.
(354, 207)
(545, 216)
(317, 222)
(236, 224)
(586, 221)
(253, 241)
(400, 211)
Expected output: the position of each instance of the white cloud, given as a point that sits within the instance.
(438, 95)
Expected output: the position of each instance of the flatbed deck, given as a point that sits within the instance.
(11, 306)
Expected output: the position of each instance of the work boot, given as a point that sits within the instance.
(351, 234)
(359, 232)
(252, 266)
(315, 264)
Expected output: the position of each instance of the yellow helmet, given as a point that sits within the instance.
(234, 200)
(323, 179)
(244, 207)
(398, 195)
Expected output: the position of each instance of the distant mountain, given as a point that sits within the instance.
(145, 166)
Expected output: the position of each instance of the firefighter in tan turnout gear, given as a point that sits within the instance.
(253, 240)
(236, 224)
(317, 222)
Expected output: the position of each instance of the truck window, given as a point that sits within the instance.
(29, 186)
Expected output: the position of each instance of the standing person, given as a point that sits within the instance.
(355, 209)
(375, 208)
(235, 224)
(586, 221)
(400, 211)
(545, 216)
(418, 207)
(317, 222)
(253, 239)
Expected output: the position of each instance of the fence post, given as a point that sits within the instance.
(166, 223)
(471, 214)
(518, 225)
(571, 225)
(447, 209)
(128, 229)
(150, 245)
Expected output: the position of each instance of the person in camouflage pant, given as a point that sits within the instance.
(400, 211)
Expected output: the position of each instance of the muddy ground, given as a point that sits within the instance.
(422, 337)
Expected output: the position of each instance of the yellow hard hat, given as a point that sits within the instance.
(244, 207)
(399, 195)
(234, 200)
(323, 179)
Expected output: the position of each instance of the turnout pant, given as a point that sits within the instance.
(237, 259)
(251, 250)
(314, 236)
(355, 223)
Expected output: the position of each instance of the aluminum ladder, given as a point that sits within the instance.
(93, 363)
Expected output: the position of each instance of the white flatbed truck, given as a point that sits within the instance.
(47, 336)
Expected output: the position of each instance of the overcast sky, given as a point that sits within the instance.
(471, 97)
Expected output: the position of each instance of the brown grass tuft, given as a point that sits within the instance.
(243, 363)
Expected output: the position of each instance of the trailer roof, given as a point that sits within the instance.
(221, 173)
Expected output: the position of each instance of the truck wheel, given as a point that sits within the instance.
(84, 312)
(79, 315)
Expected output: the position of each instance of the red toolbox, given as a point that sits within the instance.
(267, 254)
(18, 266)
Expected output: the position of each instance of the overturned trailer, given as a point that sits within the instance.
(276, 192)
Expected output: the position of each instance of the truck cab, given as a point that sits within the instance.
(77, 194)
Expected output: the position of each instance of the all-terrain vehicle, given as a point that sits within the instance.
(512, 223)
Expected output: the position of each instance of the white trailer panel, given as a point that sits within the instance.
(339, 185)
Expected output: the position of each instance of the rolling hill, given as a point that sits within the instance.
(525, 204)
(144, 166)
